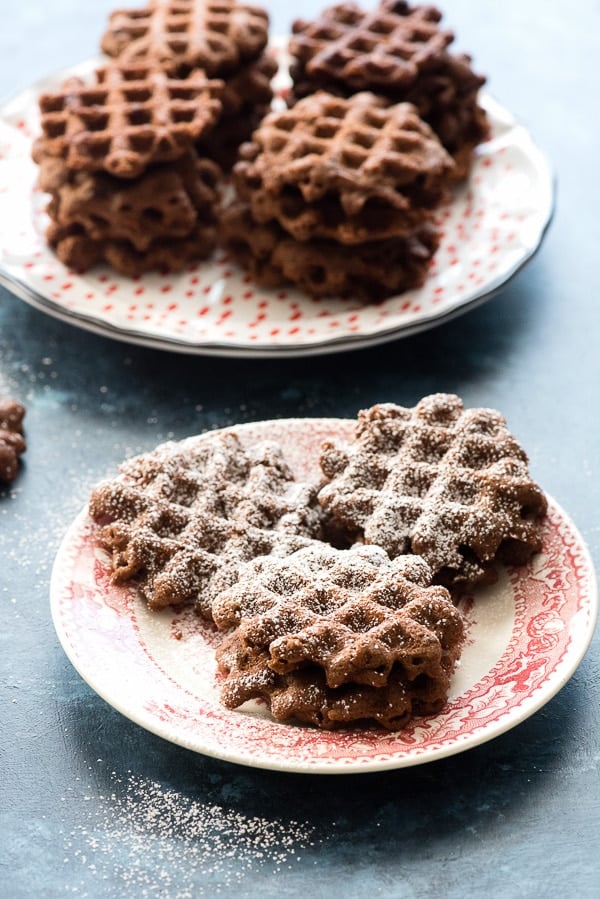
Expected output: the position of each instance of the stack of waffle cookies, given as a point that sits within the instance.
(224, 39)
(331, 637)
(118, 159)
(401, 53)
(336, 597)
(338, 195)
(133, 159)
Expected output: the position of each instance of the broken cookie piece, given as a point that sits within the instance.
(12, 442)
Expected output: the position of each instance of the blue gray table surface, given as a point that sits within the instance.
(91, 805)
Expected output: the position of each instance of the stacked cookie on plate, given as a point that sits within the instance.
(338, 196)
(335, 597)
(400, 52)
(133, 160)
(224, 39)
(118, 159)
(330, 637)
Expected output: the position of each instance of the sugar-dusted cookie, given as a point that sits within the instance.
(447, 483)
(181, 520)
(338, 629)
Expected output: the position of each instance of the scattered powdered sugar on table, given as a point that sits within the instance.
(145, 840)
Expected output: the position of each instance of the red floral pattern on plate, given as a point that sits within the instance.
(527, 635)
(491, 228)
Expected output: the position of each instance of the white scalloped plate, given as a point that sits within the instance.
(526, 636)
(492, 227)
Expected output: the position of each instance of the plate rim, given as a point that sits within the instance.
(327, 344)
(240, 351)
(553, 683)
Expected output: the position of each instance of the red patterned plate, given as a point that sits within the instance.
(492, 227)
(526, 636)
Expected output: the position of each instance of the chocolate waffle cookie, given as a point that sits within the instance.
(349, 170)
(12, 441)
(303, 697)
(223, 143)
(166, 202)
(368, 271)
(446, 96)
(448, 484)
(250, 87)
(181, 520)
(80, 252)
(385, 47)
(352, 624)
(133, 116)
(182, 35)
(400, 52)
(246, 100)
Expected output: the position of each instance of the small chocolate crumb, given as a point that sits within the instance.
(12, 442)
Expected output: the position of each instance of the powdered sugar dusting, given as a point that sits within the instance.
(183, 517)
(145, 840)
(444, 482)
